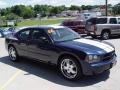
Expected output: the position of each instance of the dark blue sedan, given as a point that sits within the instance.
(74, 56)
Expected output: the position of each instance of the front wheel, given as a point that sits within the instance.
(13, 54)
(70, 68)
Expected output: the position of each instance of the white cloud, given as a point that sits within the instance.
(69, 2)
(3, 4)
(6, 3)
(113, 1)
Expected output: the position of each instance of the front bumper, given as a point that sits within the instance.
(97, 68)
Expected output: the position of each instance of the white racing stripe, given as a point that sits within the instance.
(103, 46)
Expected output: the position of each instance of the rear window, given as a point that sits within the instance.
(101, 21)
(97, 21)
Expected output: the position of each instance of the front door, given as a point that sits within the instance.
(39, 49)
(114, 26)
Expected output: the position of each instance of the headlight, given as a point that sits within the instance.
(93, 58)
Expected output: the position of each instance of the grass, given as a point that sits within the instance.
(39, 22)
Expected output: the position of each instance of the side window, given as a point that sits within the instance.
(118, 20)
(101, 21)
(38, 34)
(113, 21)
(24, 35)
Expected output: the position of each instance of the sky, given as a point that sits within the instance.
(8, 3)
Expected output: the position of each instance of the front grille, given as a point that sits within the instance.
(108, 56)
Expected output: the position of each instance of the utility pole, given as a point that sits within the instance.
(106, 8)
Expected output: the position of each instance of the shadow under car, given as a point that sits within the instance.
(52, 74)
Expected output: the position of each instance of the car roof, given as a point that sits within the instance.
(41, 27)
(72, 20)
(109, 17)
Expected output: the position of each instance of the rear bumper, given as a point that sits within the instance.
(80, 31)
(97, 68)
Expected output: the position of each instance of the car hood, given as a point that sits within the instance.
(88, 46)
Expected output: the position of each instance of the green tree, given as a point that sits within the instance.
(23, 11)
(44, 10)
(27, 12)
(11, 16)
(116, 9)
(88, 7)
(73, 7)
(55, 10)
(18, 9)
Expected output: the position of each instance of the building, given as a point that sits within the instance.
(102, 9)
(87, 14)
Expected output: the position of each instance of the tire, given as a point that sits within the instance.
(70, 68)
(13, 54)
(105, 35)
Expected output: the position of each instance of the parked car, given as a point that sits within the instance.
(103, 26)
(1, 33)
(7, 32)
(76, 25)
(63, 47)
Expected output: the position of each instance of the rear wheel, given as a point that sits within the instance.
(70, 68)
(13, 54)
(105, 35)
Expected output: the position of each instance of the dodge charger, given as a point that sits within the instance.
(75, 56)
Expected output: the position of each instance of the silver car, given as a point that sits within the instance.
(103, 26)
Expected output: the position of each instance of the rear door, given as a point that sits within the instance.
(23, 40)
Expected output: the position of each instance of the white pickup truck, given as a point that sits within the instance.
(103, 26)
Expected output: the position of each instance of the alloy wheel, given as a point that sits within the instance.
(105, 35)
(69, 68)
(12, 53)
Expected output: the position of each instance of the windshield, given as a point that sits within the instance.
(63, 34)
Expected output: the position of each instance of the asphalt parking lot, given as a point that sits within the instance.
(29, 75)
